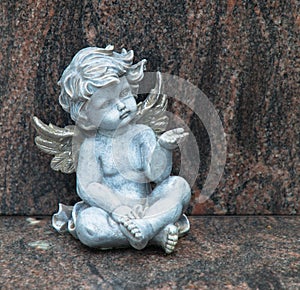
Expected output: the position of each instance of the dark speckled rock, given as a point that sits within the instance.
(244, 55)
(238, 253)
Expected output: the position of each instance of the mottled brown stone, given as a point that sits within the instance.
(219, 253)
(244, 55)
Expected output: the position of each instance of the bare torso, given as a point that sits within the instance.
(122, 167)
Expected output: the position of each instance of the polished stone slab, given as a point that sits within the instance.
(244, 55)
(218, 253)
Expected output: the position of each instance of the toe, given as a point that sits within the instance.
(138, 235)
(170, 247)
(169, 250)
(172, 243)
(173, 238)
(135, 230)
(131, 226)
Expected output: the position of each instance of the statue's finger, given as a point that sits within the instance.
(178, 130)
(182, 136)
(185, 134)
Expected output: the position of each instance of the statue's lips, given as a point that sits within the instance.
(124, 115)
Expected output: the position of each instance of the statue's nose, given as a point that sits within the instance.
(121, 106)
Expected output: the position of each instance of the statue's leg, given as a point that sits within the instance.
(96, 229)
(166, 204)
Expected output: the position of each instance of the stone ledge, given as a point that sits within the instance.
(218, 253)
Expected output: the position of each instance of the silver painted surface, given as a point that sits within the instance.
(121, 151)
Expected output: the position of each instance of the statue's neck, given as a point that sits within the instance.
(113, 133)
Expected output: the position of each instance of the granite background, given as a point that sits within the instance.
(244, 55)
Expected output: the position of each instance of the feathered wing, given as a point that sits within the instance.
(56, 141)
(152, 111)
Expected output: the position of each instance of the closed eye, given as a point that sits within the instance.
(125, 93)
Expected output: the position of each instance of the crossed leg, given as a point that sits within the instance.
(95, 227)
(166, 205)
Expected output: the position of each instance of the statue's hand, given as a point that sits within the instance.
(124, 212)
(170, 139)
(120, 213)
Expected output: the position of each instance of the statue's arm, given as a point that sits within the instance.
(157, 159)
(158, 154)
(89, 178)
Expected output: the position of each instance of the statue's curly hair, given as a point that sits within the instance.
(93, 68)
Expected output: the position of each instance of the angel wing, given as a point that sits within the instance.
(152, 111)
(56, 141)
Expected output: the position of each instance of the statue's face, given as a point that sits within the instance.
(112, 107)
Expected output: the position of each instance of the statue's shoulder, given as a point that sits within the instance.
(88, 144)
(143, 133)
(142, 129)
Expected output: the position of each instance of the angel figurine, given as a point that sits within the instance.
(123, 161)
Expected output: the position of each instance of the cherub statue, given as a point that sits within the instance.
(122, 154)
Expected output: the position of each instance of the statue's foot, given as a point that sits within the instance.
(167, 238)
(135, 231)
(170, 238)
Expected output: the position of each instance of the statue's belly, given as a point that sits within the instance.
(128, 191)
